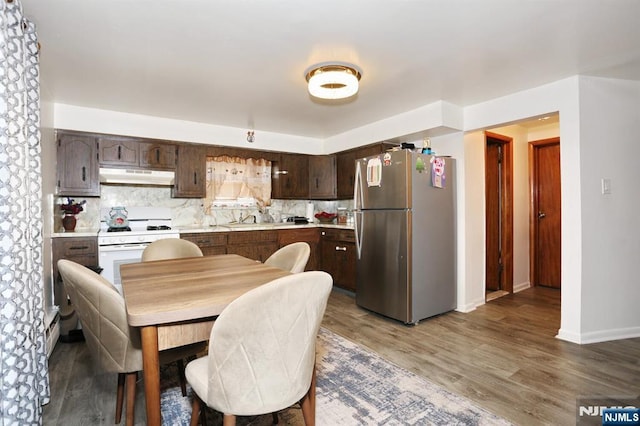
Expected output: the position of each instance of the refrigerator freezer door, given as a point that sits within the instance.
(383, 181)
(384, 265)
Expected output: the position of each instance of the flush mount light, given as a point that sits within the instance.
(333, 81)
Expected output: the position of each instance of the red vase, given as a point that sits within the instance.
(69, 222)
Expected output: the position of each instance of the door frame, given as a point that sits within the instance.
(533, 205)
(506, 208)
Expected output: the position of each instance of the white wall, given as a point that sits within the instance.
(48, 164)
(118, 123)
(610, 148)
(433, 119)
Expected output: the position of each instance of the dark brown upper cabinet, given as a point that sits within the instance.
(137, 154)
(116, 152)
(346, 167)
(190, 180)
(290, 176)
(159, 156)
(322, 177)
(77, 168)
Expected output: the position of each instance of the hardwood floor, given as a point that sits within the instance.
(504, 356)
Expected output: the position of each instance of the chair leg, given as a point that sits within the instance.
(131, 398)
(308, 402)
(119, 397)
(195, 410)
(275, 418)
(228, 420)
(183, 379)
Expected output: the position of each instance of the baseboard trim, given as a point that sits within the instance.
(470, 306)
(522, 286)
(599, 336)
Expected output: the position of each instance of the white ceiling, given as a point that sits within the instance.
(241, 63)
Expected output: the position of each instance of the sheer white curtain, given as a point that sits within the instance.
(233, 181)
(24, 382)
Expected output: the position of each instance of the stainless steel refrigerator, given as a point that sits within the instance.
(404, 215)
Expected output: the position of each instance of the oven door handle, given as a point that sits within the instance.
(122, 247)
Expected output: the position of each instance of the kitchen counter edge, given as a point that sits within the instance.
(89, 232)
(257, 227)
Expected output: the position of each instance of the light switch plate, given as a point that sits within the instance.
(606, 186)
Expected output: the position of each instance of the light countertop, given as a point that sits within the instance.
(93, 232)
(256, 227)
(79, 232)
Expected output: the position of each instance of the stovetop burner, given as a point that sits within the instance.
(118, 229)
(158, 228)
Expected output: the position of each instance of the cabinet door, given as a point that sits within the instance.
(310, 236)
(118, 152)
(257, 245)
(346, 265)
(346, 164)
(290, 177)
(190, 172)
(160, 156)
(338, 257)
(77, 166)
(346, 168)
(322, 177)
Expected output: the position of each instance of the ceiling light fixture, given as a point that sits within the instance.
(333, 81)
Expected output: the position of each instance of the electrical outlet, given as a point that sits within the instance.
(606, 186)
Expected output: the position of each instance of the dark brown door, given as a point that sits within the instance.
(546, 197)
(499, 213)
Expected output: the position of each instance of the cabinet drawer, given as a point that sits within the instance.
(70, 247)
(288, 236)
(346, 235)
(244, 237)
(211, 239)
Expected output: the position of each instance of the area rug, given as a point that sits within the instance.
(354, 387)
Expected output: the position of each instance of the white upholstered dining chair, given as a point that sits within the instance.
(292, 257)
(170, 248)
(114, 346)
(262, 350)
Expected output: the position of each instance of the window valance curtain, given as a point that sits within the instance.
(235, 182)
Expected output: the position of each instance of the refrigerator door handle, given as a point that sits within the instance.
(357, 204)
(357, 188)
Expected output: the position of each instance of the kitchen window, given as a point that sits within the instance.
(236, 182)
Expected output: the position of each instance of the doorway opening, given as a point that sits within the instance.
(545, 219)
(499, 215)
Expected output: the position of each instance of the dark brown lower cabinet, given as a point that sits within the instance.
(82, 250)
(332, 250)
(308, 235)
(257, 245)
(338, 256)
(209, 242)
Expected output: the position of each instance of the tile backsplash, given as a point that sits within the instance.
(185, 211)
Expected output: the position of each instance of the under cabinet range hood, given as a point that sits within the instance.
(136, 177)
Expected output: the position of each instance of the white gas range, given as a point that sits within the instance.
(118, 246)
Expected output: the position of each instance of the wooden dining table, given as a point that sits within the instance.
(174, 303)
